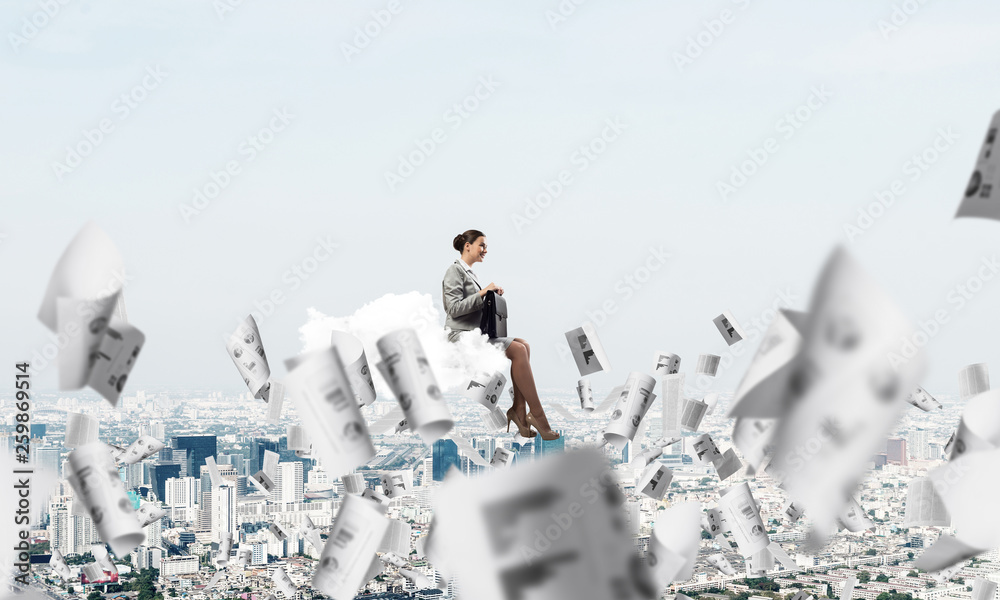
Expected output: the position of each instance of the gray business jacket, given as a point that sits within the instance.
(462, 303)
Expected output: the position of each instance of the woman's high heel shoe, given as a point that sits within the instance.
(523, 429)
(547, 434)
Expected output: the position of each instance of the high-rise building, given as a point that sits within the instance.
(180, 456)
(258, 555)
(159, 474)
(68, 532)
(895, 451)
(154, 533)
(132, 475)
(257, 448)
(918, 444)
(199, 447)
(469, 468)
(237, 460)
(180, 492)
(427, 475)
(485, 447)
(48, 457)
(228, 475)
(58, 529)
(37, 430)
(154, 429)
(543, 447)
(287, 483)
(178, 565)
(318, 476)
(444, 454)
(935, 451)
(223, 511)
(286, 455)
(632, 509)
(147, 557)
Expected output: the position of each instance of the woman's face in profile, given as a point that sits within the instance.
(478, 249)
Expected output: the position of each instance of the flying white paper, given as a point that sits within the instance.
(358, 529)
(327, 408)
(587, 350)
(730, 329)
(97, 484)
(408, 372)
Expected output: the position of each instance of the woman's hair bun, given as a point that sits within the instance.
(466, 237)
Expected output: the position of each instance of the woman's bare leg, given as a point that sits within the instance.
(520, 372)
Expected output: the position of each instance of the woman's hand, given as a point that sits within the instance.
(491, 286)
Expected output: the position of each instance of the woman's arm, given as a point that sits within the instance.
(455, 302)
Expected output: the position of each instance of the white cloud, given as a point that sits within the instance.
(454, 364)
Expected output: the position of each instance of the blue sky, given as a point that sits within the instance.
(348, 119)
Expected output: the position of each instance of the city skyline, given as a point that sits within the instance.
(926, 432)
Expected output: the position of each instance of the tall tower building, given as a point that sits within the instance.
(427, 476)
(543, 448)
(132, 475)
(180, 492)
(154, 533)
(199, 447)
(159, 474)
(287, 483)
(180, 456)
(70, 533)
(895, 451)
(59, 525)
(48, 457)
(257, 449)
(205, 515)
(223, 511)
(485, 445)
(237, 461)
(444, 454)
(918, 444)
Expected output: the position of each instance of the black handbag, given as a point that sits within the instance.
(494, 319)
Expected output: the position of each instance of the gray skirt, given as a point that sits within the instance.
(500, 342)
